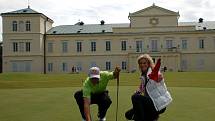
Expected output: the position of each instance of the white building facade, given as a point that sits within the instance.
(182, 46)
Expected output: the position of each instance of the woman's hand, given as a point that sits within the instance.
(116, 72)
(160, 77)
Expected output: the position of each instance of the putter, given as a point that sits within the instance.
(117, 98)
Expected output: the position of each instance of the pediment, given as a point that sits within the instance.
(154, 11)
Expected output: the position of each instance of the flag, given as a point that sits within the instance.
(155, 71)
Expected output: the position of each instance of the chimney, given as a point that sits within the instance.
(102, 22)
(201, 20)
(81, 23)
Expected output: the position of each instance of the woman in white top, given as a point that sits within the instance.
(152, 97)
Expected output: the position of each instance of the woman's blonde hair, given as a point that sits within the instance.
(148, 58)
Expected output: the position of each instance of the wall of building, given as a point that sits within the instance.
(23, 64)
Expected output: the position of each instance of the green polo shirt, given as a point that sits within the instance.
(89, 88)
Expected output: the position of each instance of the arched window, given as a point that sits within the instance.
(28, 25)
(14, 25)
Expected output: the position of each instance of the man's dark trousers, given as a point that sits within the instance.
(101, 99)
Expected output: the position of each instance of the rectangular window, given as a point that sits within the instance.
(123, 45)
(64, 67)
(50, 47)
(21, 46)
(14, 26)
(184, 65)
(154, 45)
(28, 25)
(169, 44)
(28, 46)
(214, 43)
(93, 46)
(27, 66)
(65, 47)
(21, 26)
(201, 44)
(108, 65)
(200, 64)
(124, 65)
(139, 46)
(184, 44)
(14, 67)
(108, 46)
(79, 46)
(93, 64)
(50, 67)
(15, 46)
(21, 66)
(79, 66)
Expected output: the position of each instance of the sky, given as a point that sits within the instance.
(69, 12)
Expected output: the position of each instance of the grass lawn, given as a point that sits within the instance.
(37, 97)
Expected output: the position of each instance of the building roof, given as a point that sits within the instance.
(86, 29)
(107, 28)
(200, 26)
(23, 11)
(27, 10)
(152, 8)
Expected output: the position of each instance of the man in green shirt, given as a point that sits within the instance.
(94, 92)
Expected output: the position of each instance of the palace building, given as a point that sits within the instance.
(32, 44)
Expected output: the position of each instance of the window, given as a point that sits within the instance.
(21, 46)
(93, 64)
(79, 66)
(15, 46)
(14, 67)
(200, 64)
(184, 44)
(14, 26)
(21, 26)
(169, 44)
(108, 46)
(21, 66)
(79, 46)
(108, 65)
(214, 43)
(64, 67)
(50, 67)
(28, 46)
(65, 47)
(28, 26)
(123, 45)
(154, 46)
(139, 46)
(93, 46)
(184, 65)
(124, 65)
(27, 66)
(50, 47)
(201, 44)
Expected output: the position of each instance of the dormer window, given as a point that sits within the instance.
(14, 25)
(28, 25)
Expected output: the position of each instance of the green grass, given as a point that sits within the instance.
(38, 97)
